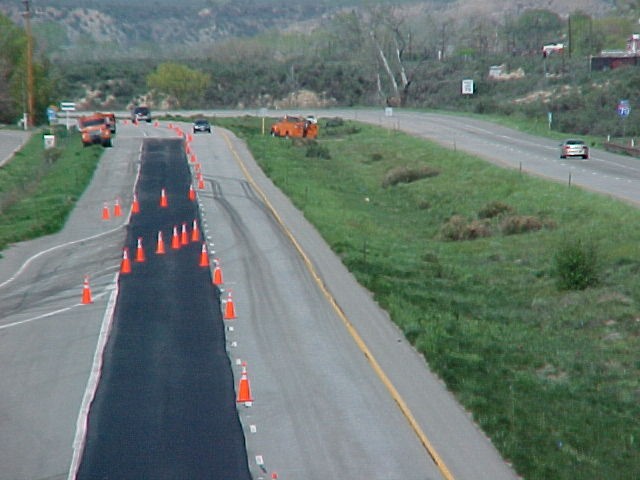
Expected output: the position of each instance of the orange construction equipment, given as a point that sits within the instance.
(184, 236)
(229, 308)
(195, 231)
(292, 126)
(105, 211)
(117, 209)
(95, 128)
(164, 202)
(140, 252)
(192, 193)
(160, 250)
(217, 273)
(175, 239)
(125, 265)
(244, 388)
(86, 292)
(204, 256)
(135, 206)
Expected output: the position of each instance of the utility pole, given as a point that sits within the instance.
(30, 95)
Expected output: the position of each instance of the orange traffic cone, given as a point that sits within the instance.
(204, 257)
(197, 167)
(229, 308)
(125, 265)
(187, 149)
(117, 209)
(192, 193)
(193, 158)
(175, 239)
(164, 202)
(244, 388)
(195, 232)
(171, 126)
(189, 137)
(135, 206)
(200, 182)
(86, 292)
(184, 236)
(140, 252)
(217, 273)
(160, 250)
(156, 124)
(105, 211)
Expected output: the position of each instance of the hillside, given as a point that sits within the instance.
(68, 27)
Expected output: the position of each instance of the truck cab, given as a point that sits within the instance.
(95, 129)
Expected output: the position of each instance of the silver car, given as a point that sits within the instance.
(574, 148)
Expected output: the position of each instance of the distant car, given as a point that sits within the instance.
(141, 114)
(201, 125)
(574, 148)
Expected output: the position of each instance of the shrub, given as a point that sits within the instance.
(315, 150)
(495, 209)
(457, 228)
(576, 265)
(407, 175)
(514, 224)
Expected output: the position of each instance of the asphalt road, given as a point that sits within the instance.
(10, 141)
(165, 404)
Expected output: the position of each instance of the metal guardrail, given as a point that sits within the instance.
(626, 149)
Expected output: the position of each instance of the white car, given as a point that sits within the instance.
(574, 148)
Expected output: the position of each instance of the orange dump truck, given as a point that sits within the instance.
(290, 126)
(95, 129)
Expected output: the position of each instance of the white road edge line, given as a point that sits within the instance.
(92, 384)
(54, 248)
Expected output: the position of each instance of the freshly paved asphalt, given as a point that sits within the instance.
(165, 405)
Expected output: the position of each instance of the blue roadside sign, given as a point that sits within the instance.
(624, 108)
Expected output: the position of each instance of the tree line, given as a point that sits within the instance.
(372, 56)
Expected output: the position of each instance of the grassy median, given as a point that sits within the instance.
(522, 294)
(38, 187)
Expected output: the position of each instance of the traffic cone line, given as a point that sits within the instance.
(125, 265)
(195, 232)
(164, 202)
(229, 308)
(217, 273)
(192, 193)
(86, 292)
(135, 206)
(175, 239)
(244, 388)
(160, 249)
(204, 256)
(105, 211)
(140, 252)
(184, 236)
(117, 209)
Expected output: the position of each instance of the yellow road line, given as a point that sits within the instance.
(347, 323)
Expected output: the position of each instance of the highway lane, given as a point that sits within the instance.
(165, 405)
(10, 142)
(320, 410)
(47, 338)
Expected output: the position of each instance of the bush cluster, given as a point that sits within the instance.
(458, 228)
(407, 175)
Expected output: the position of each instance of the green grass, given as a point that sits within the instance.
(38, 189)
(552, 376)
